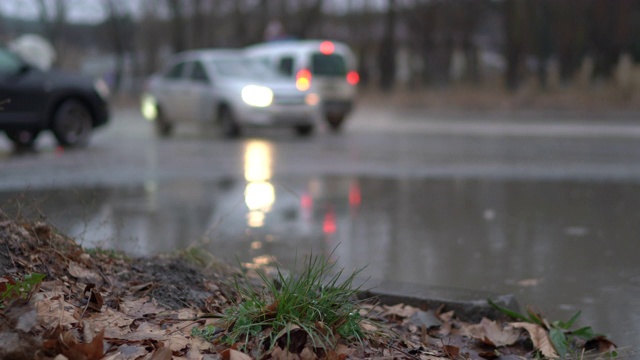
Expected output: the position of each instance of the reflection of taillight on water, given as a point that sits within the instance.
(354, 194)
(306, 201)
(329, 223)
(303, 80)
(353, 78)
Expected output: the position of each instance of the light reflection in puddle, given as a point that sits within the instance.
(562, 246)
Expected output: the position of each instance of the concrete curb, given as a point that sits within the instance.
(468, 305)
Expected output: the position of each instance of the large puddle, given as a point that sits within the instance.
(561, 246)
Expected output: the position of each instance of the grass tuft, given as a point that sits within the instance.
(319, 300)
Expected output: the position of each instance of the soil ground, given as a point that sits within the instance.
(95, 304)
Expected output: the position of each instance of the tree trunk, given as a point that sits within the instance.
(178, 33)
(387, 54)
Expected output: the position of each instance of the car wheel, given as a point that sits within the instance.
(164, 127)
(304, 130)
(23, 138)
(335, 122)
(72, 124)
(228, 124)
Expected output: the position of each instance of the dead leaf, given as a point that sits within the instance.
(447, 316)
(230, 354)
(308, 354)
(452, 352)
(278, 354)
(95, 298)
(162, 353)
(21, 315)
(83, 274)
(426, 319)
(491, 333)
(600, 344)
(58, 312)
(95, 349)
(540, 338)
(528, 282)
(400, 310)
(292, 338)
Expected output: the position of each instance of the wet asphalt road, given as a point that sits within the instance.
(378, 141)
(543, 205)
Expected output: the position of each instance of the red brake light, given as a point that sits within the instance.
(303, 79)
(327, 48)
(353, 78)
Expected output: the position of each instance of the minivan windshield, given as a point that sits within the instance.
(242, 68)
(328, 65)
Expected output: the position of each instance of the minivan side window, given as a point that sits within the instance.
(285, 66)
(328, 65)
(198, 73)
(176, 71)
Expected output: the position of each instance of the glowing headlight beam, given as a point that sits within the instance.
(258, 96)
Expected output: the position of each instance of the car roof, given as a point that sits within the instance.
(207, 54)
(296, 45)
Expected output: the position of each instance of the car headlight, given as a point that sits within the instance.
(149, 107)
(258, 96)
(101, 87)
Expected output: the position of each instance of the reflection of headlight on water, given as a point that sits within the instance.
(259, 196)
(312, 99)
(148, 107)
(258, 96)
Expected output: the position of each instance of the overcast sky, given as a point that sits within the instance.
(91, 11)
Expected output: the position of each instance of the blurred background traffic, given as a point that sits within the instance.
(526, 46)
(493, 144)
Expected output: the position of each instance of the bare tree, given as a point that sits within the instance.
(515, 32)
(387, 51)
(178, 28)
(53, 21)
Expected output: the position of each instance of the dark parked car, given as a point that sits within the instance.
(33, 100)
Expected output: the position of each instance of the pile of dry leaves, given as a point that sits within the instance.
(101, 305)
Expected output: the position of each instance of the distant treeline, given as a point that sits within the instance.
(421, 42)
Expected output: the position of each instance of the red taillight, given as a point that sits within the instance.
(327, 48)
(303, 80)
(353, 78)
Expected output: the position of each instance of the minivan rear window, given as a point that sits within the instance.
(328, 65)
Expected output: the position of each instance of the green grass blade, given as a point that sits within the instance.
(510, 313)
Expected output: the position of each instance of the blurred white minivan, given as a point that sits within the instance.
(324, 67)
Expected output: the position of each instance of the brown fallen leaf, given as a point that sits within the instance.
(540, 338)
(55, 311)
(162, 353)
(600, 344)
(400, 310)
(94, 350)
(452, 352)
(95, 300)
(491, 333)
(278, 354)
(83, 274)
(230, 354)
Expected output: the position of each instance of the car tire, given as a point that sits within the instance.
(335, 122)
(304, 130)
(164, 127)
(228, 124)
(23, 139)
(72, 124)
